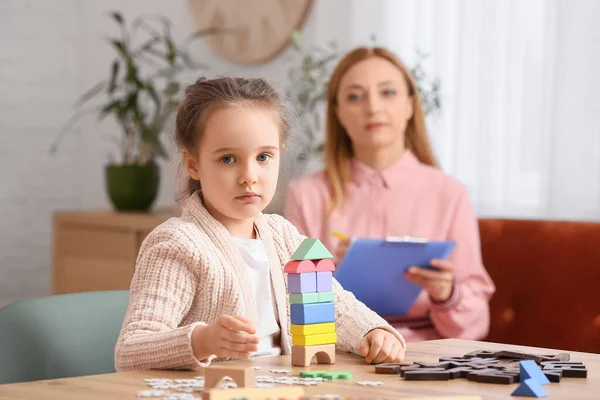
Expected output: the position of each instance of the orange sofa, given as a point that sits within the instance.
(547, 277)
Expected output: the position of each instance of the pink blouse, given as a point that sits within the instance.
(407, 199)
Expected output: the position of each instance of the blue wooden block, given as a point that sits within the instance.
(313, 313)
(530, 388)
(305, 282)
(324, 281)
(530, 370)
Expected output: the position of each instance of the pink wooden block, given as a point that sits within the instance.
(324, 265)
(297, 267)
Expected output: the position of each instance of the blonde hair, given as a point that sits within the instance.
(338, 147)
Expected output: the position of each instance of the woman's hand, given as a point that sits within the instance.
(341, 250)
(380, 346)
(439, 284)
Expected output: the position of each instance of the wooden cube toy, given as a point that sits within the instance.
(305, 282)
(314, 340)
(307, 298)
(312, 329)
(324, 281)
(314, 313)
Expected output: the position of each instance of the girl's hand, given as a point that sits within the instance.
(229, 336)
(439, 284)
(380, 346)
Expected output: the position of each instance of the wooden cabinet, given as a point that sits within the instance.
(97, 250)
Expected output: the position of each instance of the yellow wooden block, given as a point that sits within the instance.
(314, 340)
(312, 329)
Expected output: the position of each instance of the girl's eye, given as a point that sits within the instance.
(389, 92)
(227, 160)
(263, 157)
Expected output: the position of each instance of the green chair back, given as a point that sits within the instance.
(61, 336)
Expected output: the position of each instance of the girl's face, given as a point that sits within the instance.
(237, 164)
(373, 104)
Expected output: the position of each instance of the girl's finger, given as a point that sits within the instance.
(237, 323)
(239, 337)
(240, 347)
(234, 354)
(376, 344)
(395, 352)
(386, 348)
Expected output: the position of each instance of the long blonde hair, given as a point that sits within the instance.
(338, 147)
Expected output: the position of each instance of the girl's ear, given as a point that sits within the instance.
(191, 165)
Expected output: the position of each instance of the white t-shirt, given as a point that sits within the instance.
(256, 260)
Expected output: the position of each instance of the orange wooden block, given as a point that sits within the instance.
(325, 265)
(303, 355)
(299, 266)
(243, 376)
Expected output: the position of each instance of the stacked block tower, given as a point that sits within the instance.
(310, 278)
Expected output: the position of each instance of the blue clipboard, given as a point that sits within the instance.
(373, 270)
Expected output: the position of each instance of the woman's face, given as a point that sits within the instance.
(373, 104)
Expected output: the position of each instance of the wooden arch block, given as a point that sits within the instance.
(324, 265)
(299, 266)
(303, 355)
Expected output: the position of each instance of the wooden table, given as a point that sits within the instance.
(125, 385)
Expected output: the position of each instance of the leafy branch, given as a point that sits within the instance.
(141, 103)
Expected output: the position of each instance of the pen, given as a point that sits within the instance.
(339, 235)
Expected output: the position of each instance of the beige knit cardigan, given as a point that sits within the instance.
(189, 271)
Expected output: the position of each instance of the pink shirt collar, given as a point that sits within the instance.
(390, 176)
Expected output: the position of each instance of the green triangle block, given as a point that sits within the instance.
(311, 249)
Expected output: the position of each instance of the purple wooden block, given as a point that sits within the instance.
(324, 281)
(305, 282)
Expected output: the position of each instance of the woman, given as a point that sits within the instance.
(381, 179)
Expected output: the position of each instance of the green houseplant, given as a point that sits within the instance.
(141, 92)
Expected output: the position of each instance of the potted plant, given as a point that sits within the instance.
(141, 92)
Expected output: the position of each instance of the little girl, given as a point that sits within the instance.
(210, 284)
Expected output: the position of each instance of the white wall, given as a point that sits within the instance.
(50, 52)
